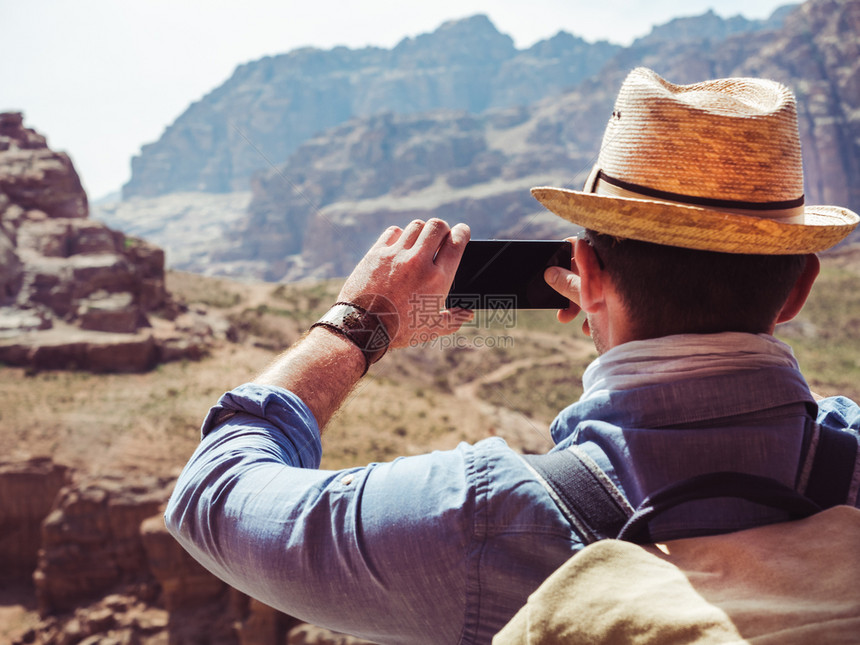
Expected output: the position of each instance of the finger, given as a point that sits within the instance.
(411, 233)
(452, 247)
(389, 236)
(450, 320)
(432, 235)
(567, 315)
(565, 282)
(459, 315)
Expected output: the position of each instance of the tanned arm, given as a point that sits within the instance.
(403, 266)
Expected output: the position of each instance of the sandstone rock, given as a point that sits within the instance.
(11, 269)
(61, 273)
(35, 177)
(116, 313)
(65, 347)
(91, 540)
(263, 625)
(27, 492)
(14, 321)
(184, 583)
(118, 618)
(136, 354)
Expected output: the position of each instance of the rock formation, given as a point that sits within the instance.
(107, 571)
(317, 213)
(190, 227)
(817, 54)
(390, 160)
(27, 492)
(268, 108)
(73, 292)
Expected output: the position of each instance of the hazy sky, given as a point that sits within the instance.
(100, 78)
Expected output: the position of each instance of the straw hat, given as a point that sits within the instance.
(713, 166)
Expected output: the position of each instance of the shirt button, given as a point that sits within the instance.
(347, 480)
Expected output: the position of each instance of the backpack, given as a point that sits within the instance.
(791, 582)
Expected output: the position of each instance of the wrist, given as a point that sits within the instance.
(364, 329)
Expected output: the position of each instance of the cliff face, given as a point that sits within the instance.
(817, 54)
(104, 569)
(269, 107)
(73, 292)
(317, 212)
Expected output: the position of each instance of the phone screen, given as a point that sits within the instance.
(508, 274)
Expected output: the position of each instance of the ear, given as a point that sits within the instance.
(593, 278)
(800, 291)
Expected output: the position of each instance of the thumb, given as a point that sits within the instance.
(564, 281)
(567, 284)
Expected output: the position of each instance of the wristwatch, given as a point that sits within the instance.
(362, 327)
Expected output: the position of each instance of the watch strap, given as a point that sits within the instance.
(363, 328)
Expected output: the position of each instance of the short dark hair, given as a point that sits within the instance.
(670, 290)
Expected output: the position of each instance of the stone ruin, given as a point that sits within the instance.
(74, 293)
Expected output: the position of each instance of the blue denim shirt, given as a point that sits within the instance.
(445, 547)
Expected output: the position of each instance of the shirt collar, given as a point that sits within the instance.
(689, 401)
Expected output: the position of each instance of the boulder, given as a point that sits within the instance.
(35, 177)
(184, 582)
(63, 275)
(27, 493)
(91, 540)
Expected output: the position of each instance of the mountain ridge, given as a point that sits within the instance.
(387, 167)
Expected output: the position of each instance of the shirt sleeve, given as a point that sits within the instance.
(839, 413)
(364, 551)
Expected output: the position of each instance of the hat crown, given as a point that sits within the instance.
(730, 139)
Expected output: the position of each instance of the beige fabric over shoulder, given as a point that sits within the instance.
(790, 583)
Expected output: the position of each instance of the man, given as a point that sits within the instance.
(697, 245)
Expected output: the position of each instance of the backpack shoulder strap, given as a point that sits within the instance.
(598, 509)
(833, 469)
(582, 491)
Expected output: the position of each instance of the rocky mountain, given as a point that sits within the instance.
(190, 227)
(339, 189)
(317, 212)
(73, 292)
(817, 54)
(270, 106)
(709, 26)
(403, 159)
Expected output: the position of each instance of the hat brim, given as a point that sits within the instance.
(699, 228)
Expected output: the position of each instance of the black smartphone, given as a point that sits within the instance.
(508, 274)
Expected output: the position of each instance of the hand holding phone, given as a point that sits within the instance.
(508, 274)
